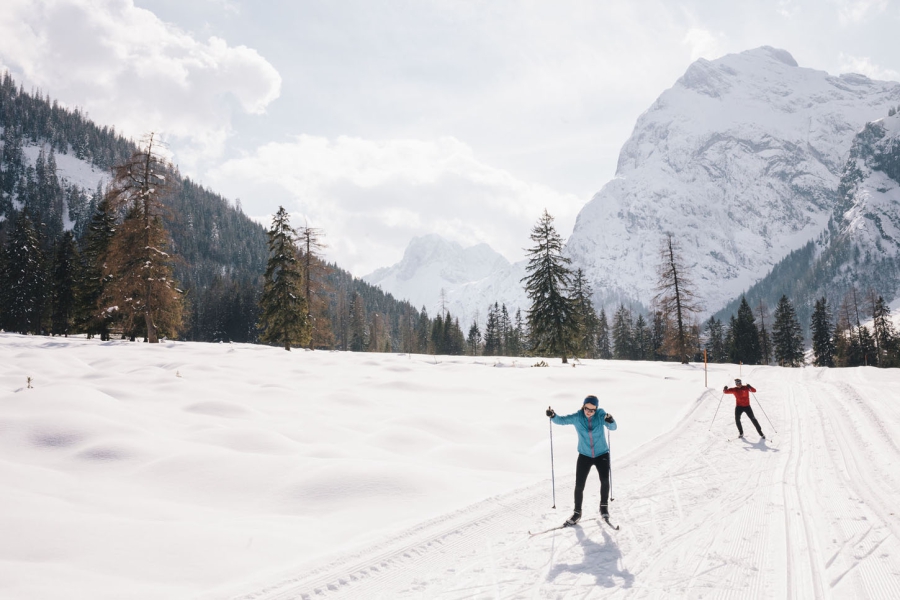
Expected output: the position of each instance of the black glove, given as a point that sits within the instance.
(550, 413)
(725, 389)
(609, 418)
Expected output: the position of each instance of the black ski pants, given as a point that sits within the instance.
(738, 411)
(583, 469)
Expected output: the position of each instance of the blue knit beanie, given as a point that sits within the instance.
(591, 400)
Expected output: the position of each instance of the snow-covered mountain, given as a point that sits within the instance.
(437, 273)
(740, 160)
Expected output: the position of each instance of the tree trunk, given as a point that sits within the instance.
(151, 329)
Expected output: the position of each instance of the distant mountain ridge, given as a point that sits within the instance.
(439, 274)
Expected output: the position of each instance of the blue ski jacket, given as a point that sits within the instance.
(591, 436)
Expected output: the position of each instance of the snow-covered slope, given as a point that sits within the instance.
(437, 273)
(219, 471)
(740, 159)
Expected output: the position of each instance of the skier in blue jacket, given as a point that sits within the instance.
(593, 450)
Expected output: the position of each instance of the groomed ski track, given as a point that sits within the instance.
(810, 513)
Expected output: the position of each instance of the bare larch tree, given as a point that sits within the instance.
(675, 295)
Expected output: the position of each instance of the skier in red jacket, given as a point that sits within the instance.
(741, 395)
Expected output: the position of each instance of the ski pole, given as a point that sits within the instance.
(764, 412)
(717, 412)
(552, 472)
(609, 444)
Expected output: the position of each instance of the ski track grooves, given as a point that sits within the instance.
(811, 514)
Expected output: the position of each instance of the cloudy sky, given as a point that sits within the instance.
(380, 120)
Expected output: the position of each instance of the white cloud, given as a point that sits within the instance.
(704, 43)
(128, 68)
(372, 197)
(864, 66)
(856, 11)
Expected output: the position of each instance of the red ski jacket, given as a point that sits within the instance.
(741, 394)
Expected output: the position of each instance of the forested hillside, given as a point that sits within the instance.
(220, 252)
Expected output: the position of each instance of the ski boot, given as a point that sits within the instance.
(576, 516)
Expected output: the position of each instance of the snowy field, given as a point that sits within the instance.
(246, 472)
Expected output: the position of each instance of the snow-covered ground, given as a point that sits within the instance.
(238, 471)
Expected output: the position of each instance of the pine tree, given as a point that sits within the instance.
(506, 331)
(517, 335)
(65, 266)
(492, 332)
(715, 341)
(745, 337)
(821, 331)
(358, 325)
(623, 339)
(883, 329)
(675, 296)
(283, 319)
(641, 339)
(474, 339)
(437, 335)
(787, 335)
(138, 265)
(551, 320)
(90, 316)
(603, 344)
(423, 329)
(25, 281)
(765, 340)
(659, 333)
(586, 342)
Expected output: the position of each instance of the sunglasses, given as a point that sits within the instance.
(589, 410)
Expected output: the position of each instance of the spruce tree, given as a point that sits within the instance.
(586, 341)
(423, 331)
(715, 341)
(659, 333)
(765, 340)
(473, 340)
(603, 342)
(641, 339)
(65, 266)
(623, 338)
(883, 329)
(787, 335)
(359, 324)
(492, 332)
(745, 336)
(517, 335)
(822, 336)
(90, 317)
(551, 320)
(25, 280)
(283, 319)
